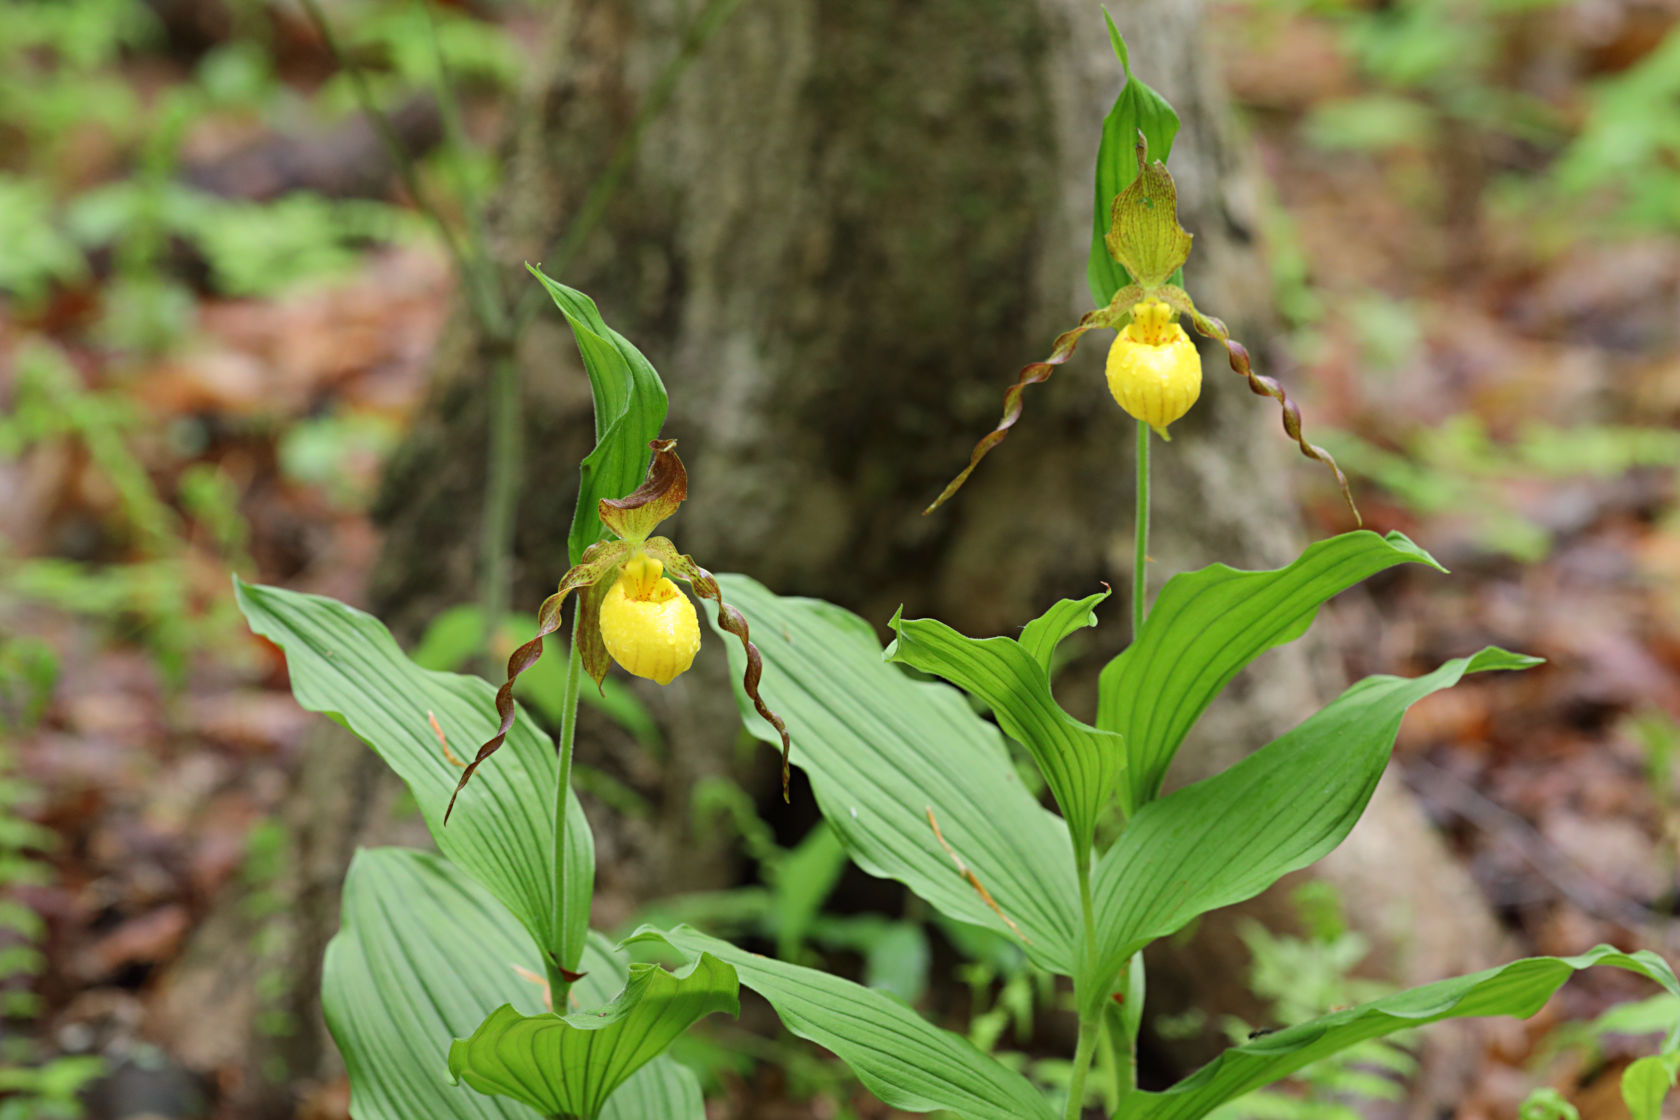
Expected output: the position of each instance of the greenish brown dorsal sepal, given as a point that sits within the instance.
(635, 516)
(1112, 317)
(1261, 386)
(599, 565)
(1143, 233)
(734, 622)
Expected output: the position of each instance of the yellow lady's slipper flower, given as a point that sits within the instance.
(649, 626)
(629, 611)
(1154, 370)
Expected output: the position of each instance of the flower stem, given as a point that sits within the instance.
(559, 987)
(1090, 1012)
(1140, 565)
(1088, 1029)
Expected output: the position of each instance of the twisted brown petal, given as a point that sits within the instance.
(732, 620)
(599, 563)
(1259, 385)
(1112, 316)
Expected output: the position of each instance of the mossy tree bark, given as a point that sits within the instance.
(855, 221)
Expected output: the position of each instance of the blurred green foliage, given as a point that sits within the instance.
(92, 153)
(98, 107)
(32, 1085)
(1493, 117)
(1457, 468)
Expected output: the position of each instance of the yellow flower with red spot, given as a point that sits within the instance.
(647, 624)
(1154, 371)
(629, 610)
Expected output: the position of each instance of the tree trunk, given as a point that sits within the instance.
(855, 221)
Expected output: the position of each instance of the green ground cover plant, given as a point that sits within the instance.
(470, 984)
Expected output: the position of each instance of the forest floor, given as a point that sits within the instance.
(1491, 346)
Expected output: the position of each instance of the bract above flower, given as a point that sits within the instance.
(629, 611)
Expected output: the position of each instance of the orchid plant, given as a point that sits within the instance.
(468, 984)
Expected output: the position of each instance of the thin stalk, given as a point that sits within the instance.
(501, 490)
(1122, 1042)
(594, 205)
(560, 989)
(388, 136)
(1140, 565)
(484, 291)
(1081, 1064)
(1117, 1050)
(485, 301)
(1090, 1011)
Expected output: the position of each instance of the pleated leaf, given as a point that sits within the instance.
(344, 663)
(422, 954)
(630, 407)
(1082, 764)
(1042, 635)
(1137, 109)
(1520, 988)
(900, 1057)
(568, 1065)
(1207, 625)
(1229, 837)
(883, 751)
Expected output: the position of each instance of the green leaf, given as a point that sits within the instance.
(1645, 1085)
(1042, 635)
(630, 408)
(882, 750)
(1082, 765)
(1206, 625)
(1231, 836)
(423, 953)
(1520, 988)
(344, 663)
(1138, 108)
(899, 1056)
(568, 1065)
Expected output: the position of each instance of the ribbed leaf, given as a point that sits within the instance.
(423, 953)
(344, 663)
(882, 751)
(1082, 765)
(1042, 635)
(568, 1065)
(1520, 988)
(1230, 836)
(1206, 625)
(899, 1056)
(630, 409)
(1137, 109)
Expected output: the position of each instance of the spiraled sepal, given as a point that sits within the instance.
(636, 515)
(1258, 384)
(599, 565)
(1112, 317)
(732, 620)
(1144, 234)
